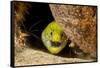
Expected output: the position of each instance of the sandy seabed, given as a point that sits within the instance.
(28, 56)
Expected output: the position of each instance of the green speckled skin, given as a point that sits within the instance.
(54, 38)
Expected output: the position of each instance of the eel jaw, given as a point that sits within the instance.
(56, 44)
(55, 47)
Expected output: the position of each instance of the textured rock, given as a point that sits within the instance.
(79, 24)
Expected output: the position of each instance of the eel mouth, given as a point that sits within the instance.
(56, 44)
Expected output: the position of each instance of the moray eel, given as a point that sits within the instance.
(54, 38)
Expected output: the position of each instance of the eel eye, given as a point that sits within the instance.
(51, 33)
(62, 34)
